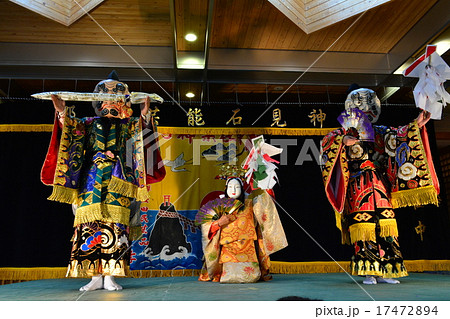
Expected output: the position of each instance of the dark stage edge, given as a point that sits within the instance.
(327, 287)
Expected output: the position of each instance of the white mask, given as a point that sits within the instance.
(234, 189)
(367, 101)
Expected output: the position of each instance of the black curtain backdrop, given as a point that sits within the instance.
(37, 232)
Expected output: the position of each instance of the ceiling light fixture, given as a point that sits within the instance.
(190, 95)
(190, 37)
(190, 60)
(442, 46)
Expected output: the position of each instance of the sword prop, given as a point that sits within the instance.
(133, 97)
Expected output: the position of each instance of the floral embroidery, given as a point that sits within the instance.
(270, 246)
(407, 171)
(249, 270)
(390, 143)
(356, 151)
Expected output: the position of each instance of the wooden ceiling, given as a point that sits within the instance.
(65, 12)
(236, 24)
(313, 15)
(134, 22)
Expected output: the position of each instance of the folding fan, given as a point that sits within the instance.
(216, 208)
(355, 118)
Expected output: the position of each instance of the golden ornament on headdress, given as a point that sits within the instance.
(229, 171)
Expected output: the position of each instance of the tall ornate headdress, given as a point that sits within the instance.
(231, 171)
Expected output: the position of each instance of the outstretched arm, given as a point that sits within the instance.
(423, 118)
(60, 107)
(145, 108)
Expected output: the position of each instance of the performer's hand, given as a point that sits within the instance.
(224, 220)
(145, 107)
(349, 140)
(58, 103)
(423, 118)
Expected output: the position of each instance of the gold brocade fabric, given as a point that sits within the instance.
(238, 239)
(98, 248)
(272, 236)
(92, 171)
(240, 272)
(367, 268)
(239, 252)
(86, 269)
(400, 156)
(98, 165)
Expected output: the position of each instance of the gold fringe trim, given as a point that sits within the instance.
(26, 127)
(338, 217)
(427, 265)
(164, 273)
(282, 267)
(415, 197)
(64, 194)
(103, 212)
(244, 130)
(127, 189)
(362, 231)
(345, 237)
(388, 227)
(277, 267)
(345, 234)
(122, 187)
(33, 273)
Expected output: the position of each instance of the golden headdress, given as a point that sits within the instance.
(231, 171)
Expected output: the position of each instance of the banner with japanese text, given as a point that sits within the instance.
(170, 239)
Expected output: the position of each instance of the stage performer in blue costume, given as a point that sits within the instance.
(368, 170)
(97, 164)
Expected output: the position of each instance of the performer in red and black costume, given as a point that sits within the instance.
(98, 164)
(365, 180)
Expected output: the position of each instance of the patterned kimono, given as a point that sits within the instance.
(97, 165)
(239, 252)
(365, 181)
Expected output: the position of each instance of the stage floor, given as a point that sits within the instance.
(328, 287)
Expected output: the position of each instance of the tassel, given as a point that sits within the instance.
(64, 194)
(415, 197)
(26, 127)
(164, 273)
(362, 231)
(338, 217)
(17, 274)
(35, 273)
(103, 212)
(345, 235)
(280, 267)
(388, 227)
(122, 187)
